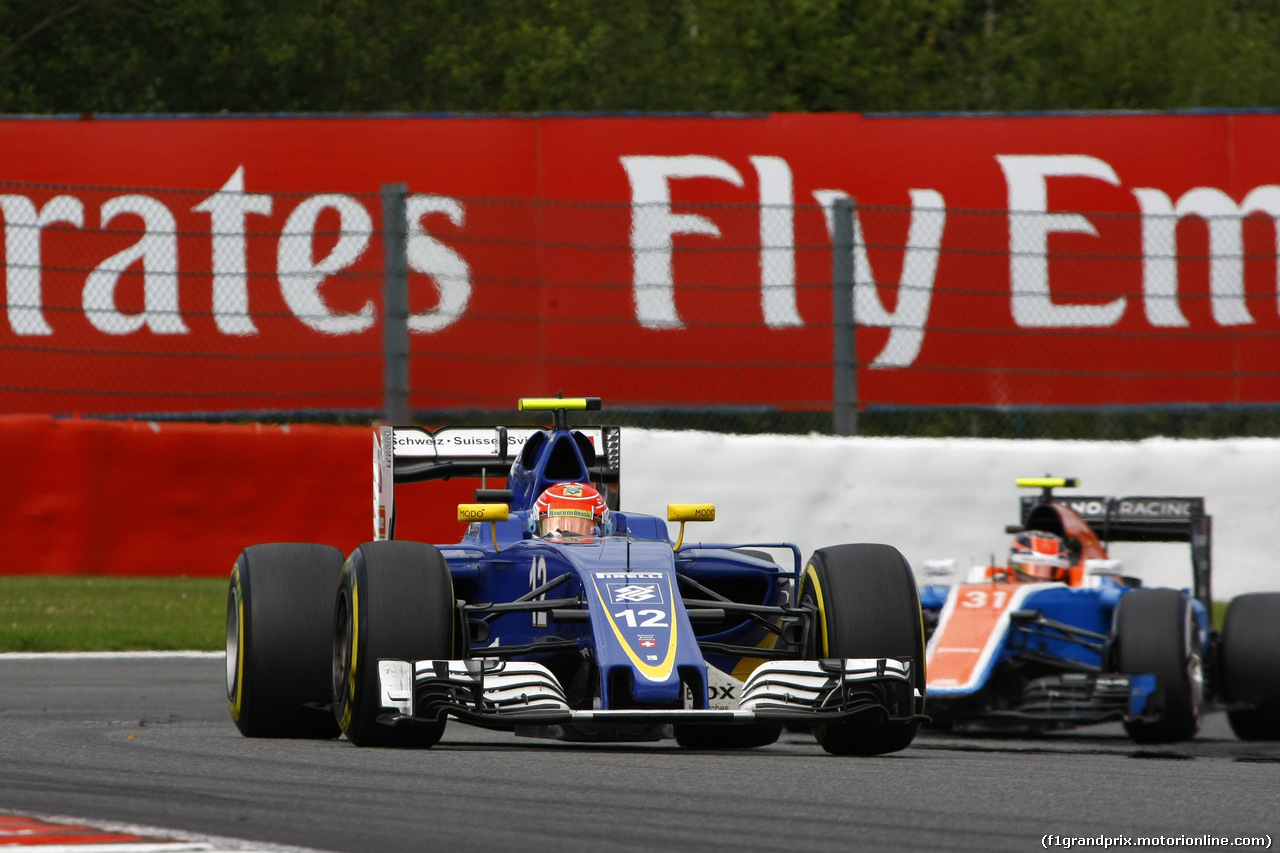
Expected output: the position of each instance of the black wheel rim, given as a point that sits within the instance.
(342, 637)
(233, 643)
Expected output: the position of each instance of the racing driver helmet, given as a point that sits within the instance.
(1037, 555)
(573, 509)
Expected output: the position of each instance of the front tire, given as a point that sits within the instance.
(1251, 664)
(279, 623)
(395, 601)
(1156, 633)
(867, 606)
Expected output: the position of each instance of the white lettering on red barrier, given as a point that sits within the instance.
(228, 210)
(1030, 225)
(1225, 219)
(156, 251)
(915, 287)
(653, 226)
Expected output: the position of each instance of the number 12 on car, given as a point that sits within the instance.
(647, 618)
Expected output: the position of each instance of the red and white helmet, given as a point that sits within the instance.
(576, 509)
(1038, 555)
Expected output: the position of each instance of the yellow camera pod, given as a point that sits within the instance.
(550, 404)
(1048, 482)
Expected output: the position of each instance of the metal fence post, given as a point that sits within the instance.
(844, 340)
(395, 306)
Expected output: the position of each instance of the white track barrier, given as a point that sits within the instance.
(951, 498)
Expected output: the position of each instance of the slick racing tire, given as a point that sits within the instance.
(1155, 632)
(1251, 665)
(867, 606)
(395, 600)
(279, 639)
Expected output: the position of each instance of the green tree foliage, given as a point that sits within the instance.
(207, 56)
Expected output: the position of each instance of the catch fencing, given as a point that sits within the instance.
(919, 319)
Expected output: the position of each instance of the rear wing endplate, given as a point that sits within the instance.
(414, 455)
(1145, 518)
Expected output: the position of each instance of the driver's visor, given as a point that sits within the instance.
(570, 522)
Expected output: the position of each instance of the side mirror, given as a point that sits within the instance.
(492, 513)
(937, 571)
(1102, 567)
(689, 512)
(980, 574)
(1096, 569)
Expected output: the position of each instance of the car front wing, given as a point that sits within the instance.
(507, 694)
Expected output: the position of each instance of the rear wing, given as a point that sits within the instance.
(414, 455)
(1144, 518)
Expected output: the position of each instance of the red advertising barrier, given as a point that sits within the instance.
(655, 261)
(92, 497)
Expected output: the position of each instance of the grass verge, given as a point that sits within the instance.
(66, 614)
(94, 614)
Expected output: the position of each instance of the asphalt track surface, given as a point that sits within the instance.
(148, 741)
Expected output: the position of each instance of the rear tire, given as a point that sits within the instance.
(395, 601)
(868, 607)
(279, 639)
(1155, 632)
(1251, 664)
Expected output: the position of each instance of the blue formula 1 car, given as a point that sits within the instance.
(1061, 637)
(561, 615)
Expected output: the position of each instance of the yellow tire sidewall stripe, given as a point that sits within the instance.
(349, 580)
(237, 703)
(811, 573)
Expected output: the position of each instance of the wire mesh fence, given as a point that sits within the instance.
(227, 304)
